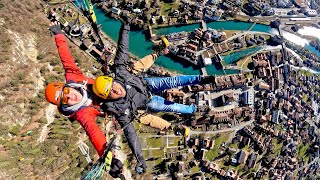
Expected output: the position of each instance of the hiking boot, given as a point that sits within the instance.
(181, 130)
(162, 48)
(207, 79)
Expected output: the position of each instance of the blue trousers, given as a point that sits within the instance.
(158, 103)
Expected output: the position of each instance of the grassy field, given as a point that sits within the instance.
(213, 153)
(166, 8)
(235, 146)
(246, 148)
(243, 63)
(195, 169)
(229, 33)
(155, 142)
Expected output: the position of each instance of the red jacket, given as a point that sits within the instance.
(85, 116)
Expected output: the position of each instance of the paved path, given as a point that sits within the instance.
(245, 33)
(235, 128)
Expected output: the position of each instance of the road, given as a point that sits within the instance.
(283, 18)
(235, 128)
(246, 33)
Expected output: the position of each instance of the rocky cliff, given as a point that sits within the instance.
(35, 141)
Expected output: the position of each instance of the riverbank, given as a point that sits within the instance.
(299, 41)
(140, 46)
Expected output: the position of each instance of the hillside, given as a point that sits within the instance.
(30, 145)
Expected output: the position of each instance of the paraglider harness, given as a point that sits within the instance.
(103, 163)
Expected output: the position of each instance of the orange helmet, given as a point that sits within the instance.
(53, 92)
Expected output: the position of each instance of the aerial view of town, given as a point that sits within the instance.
(258, 118)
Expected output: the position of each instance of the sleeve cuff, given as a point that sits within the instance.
(59, 35)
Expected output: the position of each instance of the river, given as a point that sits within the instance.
(141, 47)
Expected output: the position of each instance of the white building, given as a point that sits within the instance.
(138, 11)
(207, 61)
(249, 97)
(206, 56)
(116, 11)
(311, 13)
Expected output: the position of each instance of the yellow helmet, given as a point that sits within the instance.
(102, 86)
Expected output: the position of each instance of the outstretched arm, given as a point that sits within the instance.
(72, 72)
(86, 117)
(132, 138)
(123, 46)
(134, 142)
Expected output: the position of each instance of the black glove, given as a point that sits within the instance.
(141, 168)
(55, 29)
(116, 168)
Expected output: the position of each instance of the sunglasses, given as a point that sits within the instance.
(66, 90)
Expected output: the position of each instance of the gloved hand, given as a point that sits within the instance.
(55, 28)
(116, 168)
(141, 168)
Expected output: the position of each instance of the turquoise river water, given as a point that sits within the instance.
(140, 46)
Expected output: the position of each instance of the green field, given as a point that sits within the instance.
(213, 153)
(166, 8)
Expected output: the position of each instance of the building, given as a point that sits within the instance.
(181, 166)
(249, 97)
(174, 95)
(192, 47)
(138, 11)
(243, 156)
(264, 86)
(116, 11)
(213, 167)
(203, 153)
(163, 19)
(275, 116)
(252, 160)
(206, 56)
(180, 176)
